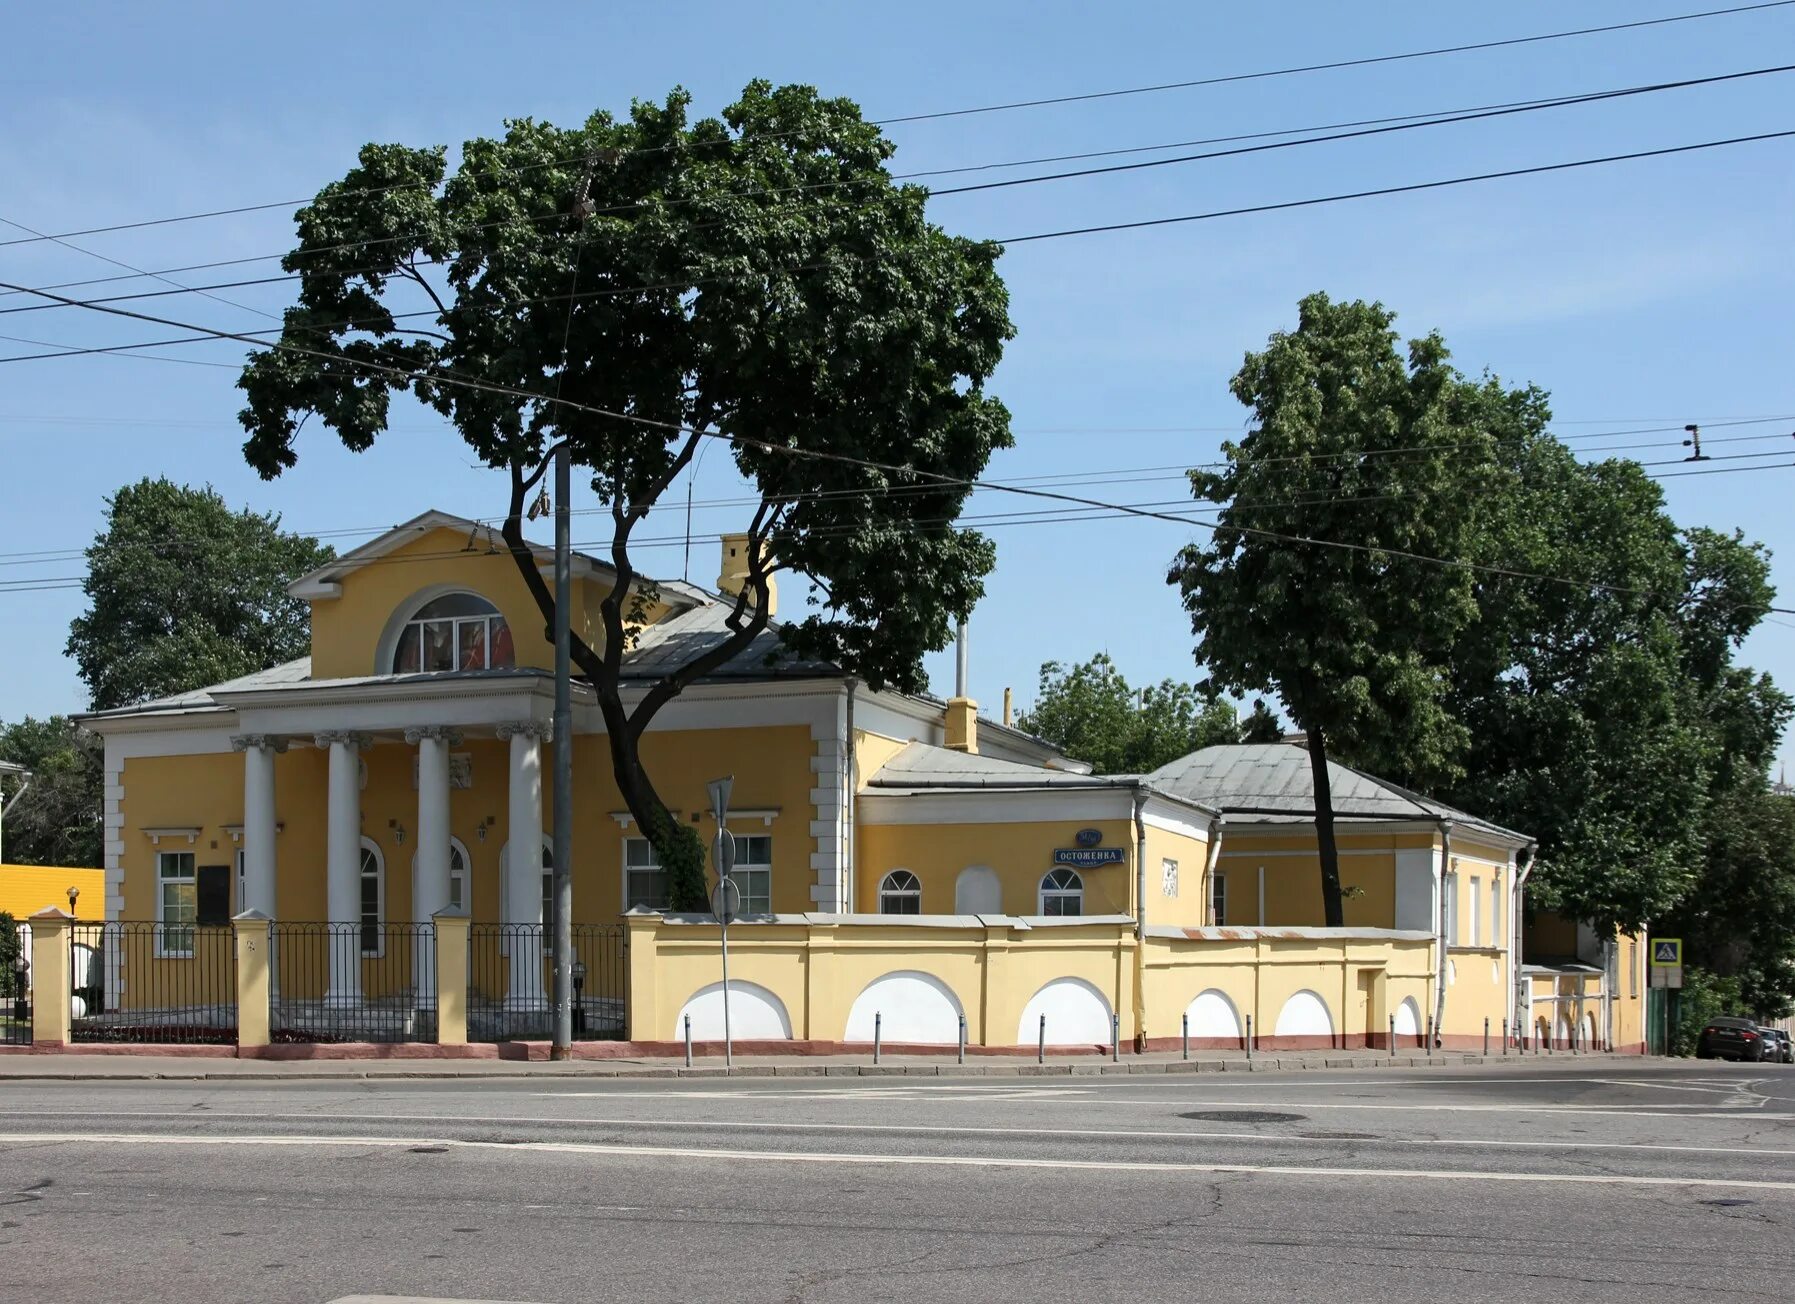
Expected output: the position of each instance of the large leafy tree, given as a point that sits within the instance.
(632, 287)
(183, 592)
(1090, 712)
(56, 820)
(1363, 459)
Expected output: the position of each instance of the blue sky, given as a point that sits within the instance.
(1645, 294)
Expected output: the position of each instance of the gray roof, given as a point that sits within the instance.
(1273, 782)
(687, 634)
(924, 765)
(284, 675)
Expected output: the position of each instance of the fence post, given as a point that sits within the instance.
(1115, 1038)
(1391, 1043)
(252, 932)
(451, 929)
(1505, 1037)
(52, 994)
(688, 1041)
(1486, 1034)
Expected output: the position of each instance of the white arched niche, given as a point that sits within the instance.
(755, 1014)
(1408, 1018)
(1304, 1015)
(1077, 1015)
(911, 1007)
(1212, 1014)
(977, 891)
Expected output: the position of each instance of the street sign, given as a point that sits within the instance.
(726, 901)
(1663, 975)
(1667, 953)
(723, 853)
(1086, 857)
(719, 795)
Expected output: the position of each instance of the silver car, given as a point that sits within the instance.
(1778, 1048)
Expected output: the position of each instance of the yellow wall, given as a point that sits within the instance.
(817, 971)
(1293, 877)
(27, 889)
(1020, 853)
(1188, 908)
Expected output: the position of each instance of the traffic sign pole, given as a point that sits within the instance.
(721, 906)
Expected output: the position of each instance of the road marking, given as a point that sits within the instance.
(929, 1161)
(918, 1129)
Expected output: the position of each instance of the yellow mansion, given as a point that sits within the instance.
(907, 870)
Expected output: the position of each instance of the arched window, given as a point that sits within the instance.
(373, 899)
(458, 631)
(1062, 892)
(900, 894)
(458, 862)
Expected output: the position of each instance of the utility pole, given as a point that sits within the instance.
(562, 1046)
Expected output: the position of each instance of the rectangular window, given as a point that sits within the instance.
(753, 873)
(177, 902)
(1476, 910)
(644, 881)
(1218, 900)
(372, 934)
(1633, 967)
(242, 882)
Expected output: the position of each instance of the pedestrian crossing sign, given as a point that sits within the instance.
(1667, 952)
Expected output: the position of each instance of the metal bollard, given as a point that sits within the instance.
(1430, 1032)
(1391, 1044)
(1115, 1038)
(1185, 1036)
(878, 1029)
(962, 1056)
(1041, 1043)
(688, 1041)
(1249, 1038)
(1486, 1034)
(1505, 1038)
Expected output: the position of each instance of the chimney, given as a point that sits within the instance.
(962, 712)
(733, 574)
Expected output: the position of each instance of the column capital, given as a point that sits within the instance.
(358, 741)
(259, 742)
(435, 732)
(543, 729)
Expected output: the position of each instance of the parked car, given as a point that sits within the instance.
(1734, 1039)
(1778, 1047)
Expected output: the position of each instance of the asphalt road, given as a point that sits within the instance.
(1598, 1180)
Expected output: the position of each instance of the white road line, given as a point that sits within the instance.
(940, 1161)
(916, 1129)
(901, 1128)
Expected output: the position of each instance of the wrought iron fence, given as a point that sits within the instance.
(510, 982)
(15, 982)
(346, 982)
(153, 982)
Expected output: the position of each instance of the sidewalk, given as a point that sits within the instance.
(76, 1066)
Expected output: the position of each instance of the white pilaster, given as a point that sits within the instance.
(259, 863)
(430, 891)
(524, 863)
(342, 862)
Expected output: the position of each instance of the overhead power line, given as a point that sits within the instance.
(1004, 107)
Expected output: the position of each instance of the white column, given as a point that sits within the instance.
(259, 751)
(524, 864)
(342, 863)
(430, 885)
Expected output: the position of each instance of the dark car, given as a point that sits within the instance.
(1734, 1039)
(1778, 1048)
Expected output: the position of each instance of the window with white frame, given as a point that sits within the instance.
(373, 900)
(1476, 910)
(457, 875)
(1218, 900)
(177, 901)
(1062, 892)
(900, 893)
(753, 872)
(644, 881)
(458, 631)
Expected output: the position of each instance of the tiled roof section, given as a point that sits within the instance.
(923, 765)
(1272, 781)
(687, 634)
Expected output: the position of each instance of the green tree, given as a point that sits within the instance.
(632, 287)
(1090, 712)
(57, 821)
(183, 592)
(1382, 453)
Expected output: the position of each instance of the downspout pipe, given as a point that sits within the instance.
(1206, 901)
(849, 887)
(1444, 932)
(1520, 1000)
(1140, 917)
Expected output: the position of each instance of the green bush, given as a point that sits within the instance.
(9, 953)
(1704, 996)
